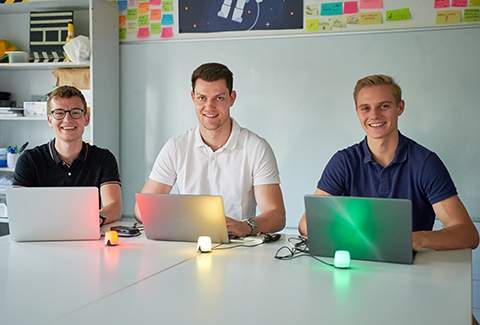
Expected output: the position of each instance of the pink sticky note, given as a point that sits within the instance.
(142, 32)
(459, 3)
(350, 7)
(371, 4)
(442, 3)
(167, 32)
(155, 2)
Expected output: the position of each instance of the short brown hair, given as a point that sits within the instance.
(378, 80)
(213, 72)
(66, 92)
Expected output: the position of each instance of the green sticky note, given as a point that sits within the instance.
(471, 15)
(398, 14)
(143, 20)
(167, 5)
(132, 14)
(155, 28)
(122, 33)
(474, 3)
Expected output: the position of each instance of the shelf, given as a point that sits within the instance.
(43, 5)
(43, 66)
(23, 118)
(6, 169)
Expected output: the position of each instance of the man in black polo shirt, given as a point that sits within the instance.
(67, 160)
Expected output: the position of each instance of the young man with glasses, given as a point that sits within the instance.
(67, 160)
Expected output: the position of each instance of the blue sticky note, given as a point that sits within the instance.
(167, 19)
(331, 9)
(122, 4)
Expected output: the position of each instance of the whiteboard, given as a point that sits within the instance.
(296, 92)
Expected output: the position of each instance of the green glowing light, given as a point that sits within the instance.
(342, 259)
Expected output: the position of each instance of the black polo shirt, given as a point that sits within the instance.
(41, 166)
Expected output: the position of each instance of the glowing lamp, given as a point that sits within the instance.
(111, 238)
(342, 259)
(204, 244)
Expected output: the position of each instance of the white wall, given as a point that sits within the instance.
(296, 93)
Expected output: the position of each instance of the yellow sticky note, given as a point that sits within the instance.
(311, 25)
(131, 27)
(325, 25)
(474, 3)
(448, 17)
(339, 22)
(353, 19)
(311, 10)
(370, 18)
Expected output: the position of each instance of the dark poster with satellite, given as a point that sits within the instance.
(205, 16)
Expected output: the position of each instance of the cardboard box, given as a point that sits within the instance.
(35, 108)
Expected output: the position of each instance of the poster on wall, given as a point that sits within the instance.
(205, 16)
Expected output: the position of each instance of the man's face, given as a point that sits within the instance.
(68, 129)
(212, 102)
(377, 111)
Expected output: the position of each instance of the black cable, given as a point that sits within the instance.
(299, 249)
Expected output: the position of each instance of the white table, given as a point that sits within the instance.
(152, 282)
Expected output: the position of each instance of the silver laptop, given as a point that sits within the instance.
(53, 213)
(369, 228)
(182, 217)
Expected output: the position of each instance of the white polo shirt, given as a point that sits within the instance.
(246, 160)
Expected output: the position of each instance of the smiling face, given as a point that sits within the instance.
(212, 102)
(68, 129)
(378, 111)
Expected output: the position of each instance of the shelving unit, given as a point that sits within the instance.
(97, 19)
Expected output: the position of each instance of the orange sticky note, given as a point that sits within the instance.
(143, 7)
(122, 20)
(156, 14)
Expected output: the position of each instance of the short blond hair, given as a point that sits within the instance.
(378, 80)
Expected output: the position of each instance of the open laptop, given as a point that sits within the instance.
(369, 228)
(182, 217)
(53, 213)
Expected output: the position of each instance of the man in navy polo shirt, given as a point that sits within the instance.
(387, 164)
(67, 160)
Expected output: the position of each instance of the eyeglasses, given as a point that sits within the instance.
(76, 113)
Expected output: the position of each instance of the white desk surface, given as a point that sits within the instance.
(152, 282)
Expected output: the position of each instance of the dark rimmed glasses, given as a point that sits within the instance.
(76, 113)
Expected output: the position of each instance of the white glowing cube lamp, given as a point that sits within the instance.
(111, 238)
(342, 259)
(204, 244)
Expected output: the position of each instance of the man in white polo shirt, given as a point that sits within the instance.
(221, 158)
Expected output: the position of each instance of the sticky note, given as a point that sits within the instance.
(167, 32)
(471, 15)
(353, 19)
(325, 25)
(474, 3)
(370, 18)
(371, 4)
(331, 9)
(155, 28)
(448, 17)
(132, 14)
(122, 33)
(339, 22)
(167, 5)
(459, 3)
(311, 10)
(167, 19)
(122, 20)
(131, 27)
(441, 4)
(143, 32)
(132, 4)
(155, 3)
(155, 14)
(122, 5)
(311, 25)
(143, 7)
(350, 7)
(143, 20)
(399, 14)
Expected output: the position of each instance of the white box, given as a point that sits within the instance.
(17, 57)
(35, 108)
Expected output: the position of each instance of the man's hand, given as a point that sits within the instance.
(238, 228)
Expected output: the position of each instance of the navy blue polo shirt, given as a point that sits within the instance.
(415, 173)
(41, 166)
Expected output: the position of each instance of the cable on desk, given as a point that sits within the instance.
(268, 238)
(297, 249)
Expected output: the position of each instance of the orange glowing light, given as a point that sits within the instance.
(186, 8)
(195, 25)
(111, 238)
(291, 14)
